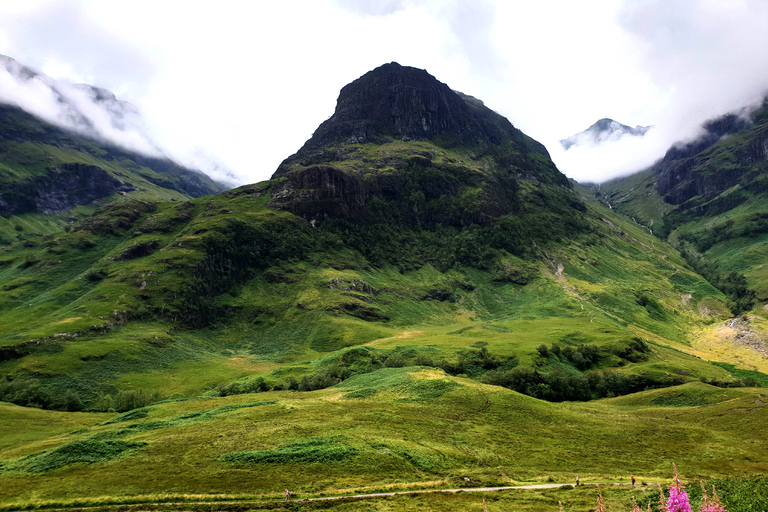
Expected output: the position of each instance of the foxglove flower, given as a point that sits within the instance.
(600, 507)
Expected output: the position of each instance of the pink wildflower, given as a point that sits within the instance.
(678, 498)
(710, 504)
(600, 507)
(635, 506)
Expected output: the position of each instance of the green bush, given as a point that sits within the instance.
(126, 400)
(87, 451)
(316, 449)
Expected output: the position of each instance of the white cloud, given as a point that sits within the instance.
(610, 159)
(242, 85)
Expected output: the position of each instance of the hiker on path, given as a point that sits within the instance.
(287, 495)
(633, 480)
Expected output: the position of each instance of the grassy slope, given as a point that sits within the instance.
(31, 147)
(728, 228)
(635, 196)
(290, 320)
(735, 245)
(419, 426)
(93, 317)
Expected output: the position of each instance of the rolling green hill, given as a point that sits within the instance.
(416, 297)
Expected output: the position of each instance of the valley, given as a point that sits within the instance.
(418, 298)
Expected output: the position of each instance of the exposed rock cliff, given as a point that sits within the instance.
(399, 139)
(60, 189)
(727, 153)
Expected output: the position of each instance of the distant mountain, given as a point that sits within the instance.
(709, 196)
(603, 131)
(63, 155)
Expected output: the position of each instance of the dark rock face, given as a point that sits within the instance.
(61, 189)
(322, 192)
(395, 102)
(403, 146)
(698, 168)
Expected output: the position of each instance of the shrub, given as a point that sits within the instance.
(316, 449)
(86, 450)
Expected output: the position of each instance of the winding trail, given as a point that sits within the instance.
(150, 504)
(463, 489)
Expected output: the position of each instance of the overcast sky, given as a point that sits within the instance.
(243, 84)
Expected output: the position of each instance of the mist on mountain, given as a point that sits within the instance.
(90, 111)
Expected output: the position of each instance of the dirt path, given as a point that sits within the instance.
(324, 498)
(426, 491)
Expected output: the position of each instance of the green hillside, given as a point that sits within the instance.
(708, 198)
(420, 429)
(51, 178)
(180, 298)
(417, 299)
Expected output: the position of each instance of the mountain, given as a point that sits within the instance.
(418, 277)
(604, 130)
(401, 138)
(474, 222)
(54, 174)
(707, 196)
(81, 108)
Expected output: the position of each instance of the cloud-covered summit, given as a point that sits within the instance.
(91, 111)
(604, 130)
(82, 108)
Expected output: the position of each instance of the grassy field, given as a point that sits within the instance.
(395, 427)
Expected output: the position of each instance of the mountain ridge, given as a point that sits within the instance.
(53, 174)
(707, 196)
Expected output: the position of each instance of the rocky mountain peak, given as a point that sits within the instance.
(394, 102)
(403, 145)
(399, 101)
(603, 130)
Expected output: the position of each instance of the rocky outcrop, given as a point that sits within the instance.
(715, 161)
(321, 192)
(60, 189)
(325, 192)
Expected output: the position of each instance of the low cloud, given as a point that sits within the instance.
(250, 87)
(90, 111)
(86, 110)
(611, 158)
